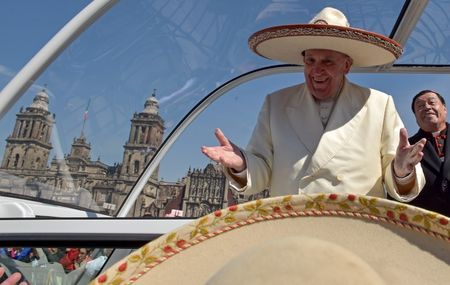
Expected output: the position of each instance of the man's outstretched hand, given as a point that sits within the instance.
(227, 153)
(407, 156)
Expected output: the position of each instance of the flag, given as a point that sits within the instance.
(86, 111)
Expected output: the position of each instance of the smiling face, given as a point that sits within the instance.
(430, 112)
(325, 71)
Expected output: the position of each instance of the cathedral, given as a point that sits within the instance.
(84, 183)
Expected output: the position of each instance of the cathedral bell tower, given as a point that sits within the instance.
(80, 154)
(29, 146)
(146, 133)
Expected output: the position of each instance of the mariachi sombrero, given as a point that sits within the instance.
(311, 239)
(327, 30)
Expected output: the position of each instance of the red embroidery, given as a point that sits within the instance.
(439, 141)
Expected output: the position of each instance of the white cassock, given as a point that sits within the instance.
(290, 152)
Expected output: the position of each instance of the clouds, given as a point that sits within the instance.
(279, 7)
(5, 71)
(9, 74)
(183, 91)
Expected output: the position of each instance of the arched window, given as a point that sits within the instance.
(143, 135)
(16, 160)
(136, 167)
(43, 131)
(25, 130)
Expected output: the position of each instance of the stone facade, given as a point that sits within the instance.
(82, 182)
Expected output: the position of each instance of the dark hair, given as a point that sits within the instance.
(423, 92)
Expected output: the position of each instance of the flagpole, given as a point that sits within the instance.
(85, 116)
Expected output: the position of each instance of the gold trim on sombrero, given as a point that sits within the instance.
(131, 268)
(324, 31)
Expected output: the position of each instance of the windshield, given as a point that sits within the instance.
(87, 128)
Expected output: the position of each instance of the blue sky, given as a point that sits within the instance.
(183, 49)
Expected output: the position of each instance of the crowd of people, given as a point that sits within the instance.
(24, 254)
(69, 258)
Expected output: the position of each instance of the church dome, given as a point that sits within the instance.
(152, 105)
(41, 100)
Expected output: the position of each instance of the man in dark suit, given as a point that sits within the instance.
(431, 115)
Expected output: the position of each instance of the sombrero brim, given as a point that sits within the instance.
(286, 43)
(402, 243)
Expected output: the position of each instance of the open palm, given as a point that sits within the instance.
(226, 153)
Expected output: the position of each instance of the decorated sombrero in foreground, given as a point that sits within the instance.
(329, 29)
(311, 239)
